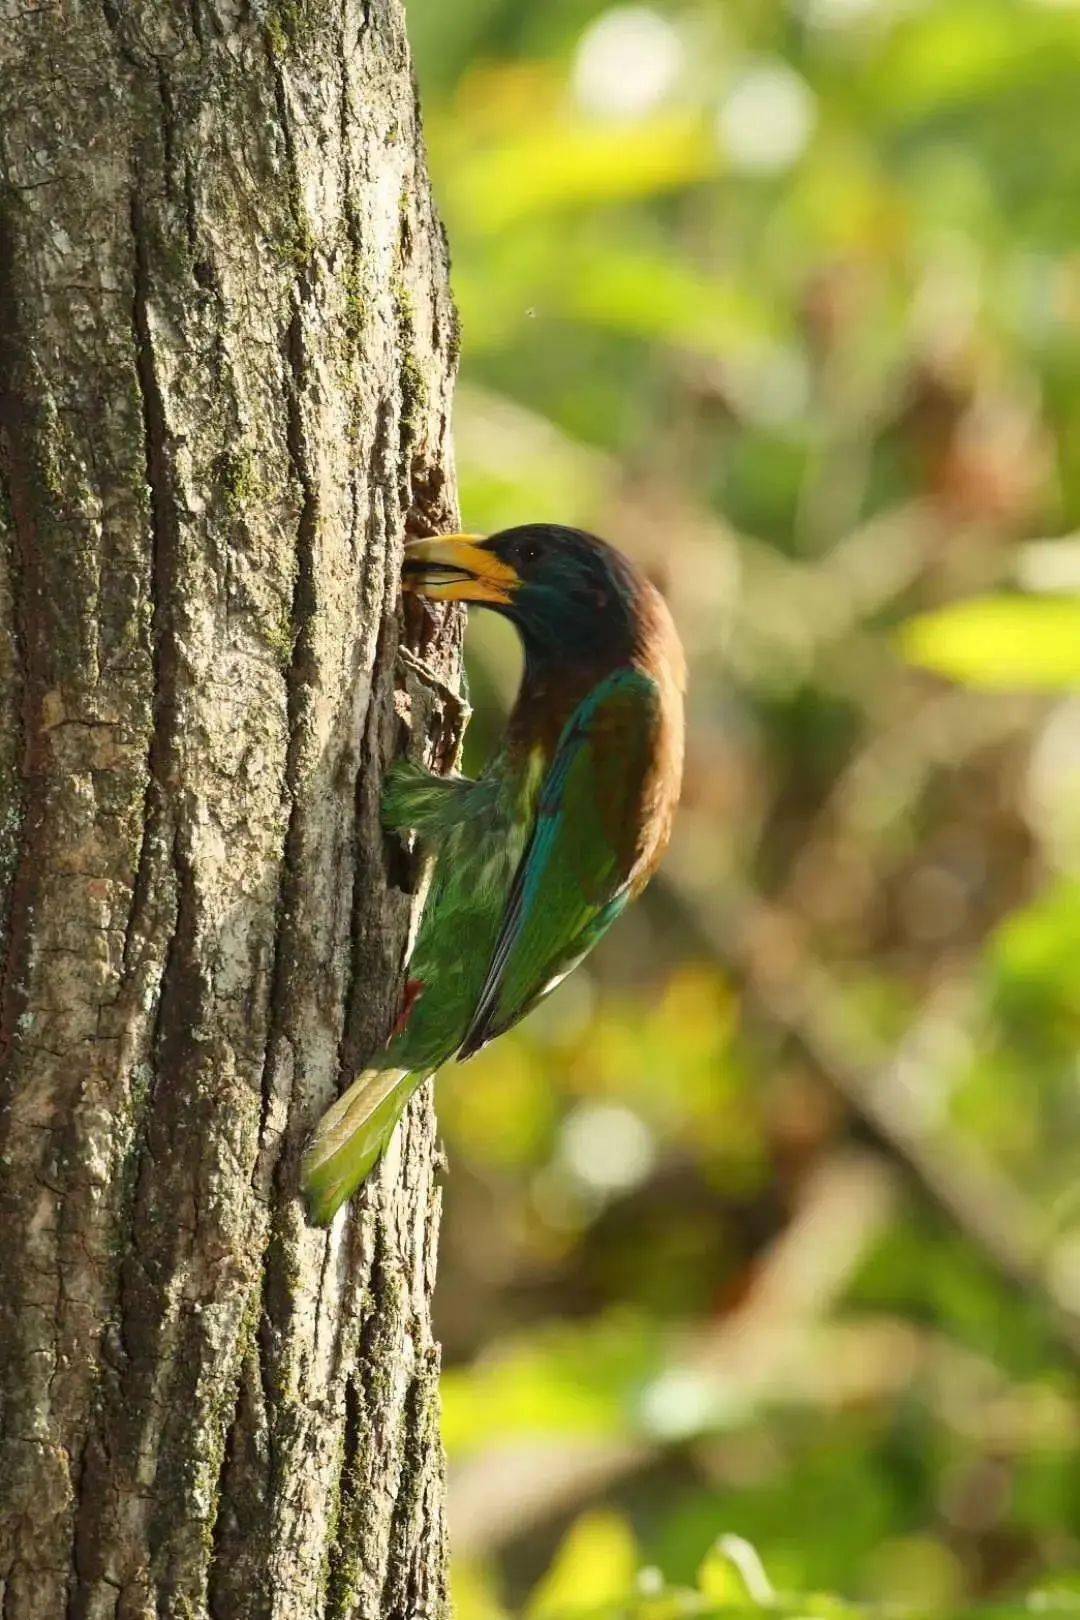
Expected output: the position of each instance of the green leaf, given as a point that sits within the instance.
(567, 1380)
(732, 1573)
(576, 166)
(595, 1564)
(1000, 642)
(953, 55)
(651, 295)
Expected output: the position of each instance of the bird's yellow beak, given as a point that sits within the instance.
(457, 568)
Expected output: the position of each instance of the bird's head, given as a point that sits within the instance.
(567, 592)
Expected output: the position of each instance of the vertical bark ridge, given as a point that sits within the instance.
(16, 871)
(13, 736)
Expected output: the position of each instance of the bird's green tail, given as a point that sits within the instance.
(351, 1136)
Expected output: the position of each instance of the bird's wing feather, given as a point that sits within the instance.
(572, 880)
(416, 800)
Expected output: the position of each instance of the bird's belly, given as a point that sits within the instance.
(469, 889)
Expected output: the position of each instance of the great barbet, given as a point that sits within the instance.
(536, 857)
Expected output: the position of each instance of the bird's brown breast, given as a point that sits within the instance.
(661, 658)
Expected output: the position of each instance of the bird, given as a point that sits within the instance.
(535, 858)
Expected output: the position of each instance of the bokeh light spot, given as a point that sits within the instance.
(627, 63)
(606, 1146)
(766, 119)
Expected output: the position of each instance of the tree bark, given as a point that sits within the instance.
(225, 356)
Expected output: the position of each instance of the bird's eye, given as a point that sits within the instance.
(529, 551)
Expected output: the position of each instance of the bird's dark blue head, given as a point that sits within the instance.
(570, 595)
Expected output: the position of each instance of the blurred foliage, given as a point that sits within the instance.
(594, 1572)
(768, 1223)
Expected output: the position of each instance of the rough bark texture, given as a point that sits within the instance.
(225, 352)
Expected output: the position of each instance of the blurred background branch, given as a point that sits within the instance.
(754, 1354)
(891, 1096)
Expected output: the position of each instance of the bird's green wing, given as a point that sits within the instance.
(572, 880)
(416, 800)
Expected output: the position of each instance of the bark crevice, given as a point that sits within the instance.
(16, 434)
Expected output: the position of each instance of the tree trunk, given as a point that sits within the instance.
(225, 358)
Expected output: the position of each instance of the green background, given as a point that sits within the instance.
(768, 1223)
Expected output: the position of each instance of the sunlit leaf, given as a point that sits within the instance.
(567, 166)
(595, 1563)
(732, 1572)
(1000, 641)
(473, 1589)
(1035, 956)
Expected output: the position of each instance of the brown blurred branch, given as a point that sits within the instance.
(785, 990)
(843, 1206)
